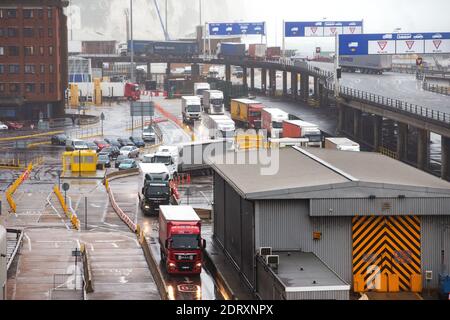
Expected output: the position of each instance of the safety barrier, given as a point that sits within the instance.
(436, 88)
(87, 270)
(249, 141)
(136, 124)
(87, 133)
(388, 153)
(154, 93)
(44, 134)
(10, 191)
(70, 215)
(17, 164)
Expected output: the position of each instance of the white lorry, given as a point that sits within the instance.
(343, 144)
(272, 121)
(199, 87)
(219, 126)
(167, 155)
(191, 108)
(213, 102)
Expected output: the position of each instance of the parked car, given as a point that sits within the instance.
(112, 152)
(3, 126)
(138, 142)
(103, 161)
(113, 142)
(119, 160)
(14, 125)
(125, 142)
(128, 164)
(101, 144)
(130, 151)
(59, 140)
(93, 146)
(76, 144)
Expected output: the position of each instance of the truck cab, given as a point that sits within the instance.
(247, 113)
(155, 187)
(169, 156)
(132, 92)
(191, 108)
(180, 240)
(213, 102)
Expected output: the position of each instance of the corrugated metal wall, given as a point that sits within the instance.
(233, 224)
(268, 286)
(319, 295)
(286, 225)
(219, 208)
(380, 206)
(248, 243)
(435, 235)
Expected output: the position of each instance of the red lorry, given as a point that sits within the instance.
(132, 92)
(180, 240)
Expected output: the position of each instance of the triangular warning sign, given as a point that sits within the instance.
(314, 29)
(333, 30)
(410, 44)
(352, 29)
(382, 44)
(437, 43)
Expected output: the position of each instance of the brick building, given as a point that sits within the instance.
(33, 59)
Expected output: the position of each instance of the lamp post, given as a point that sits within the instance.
(132, 42)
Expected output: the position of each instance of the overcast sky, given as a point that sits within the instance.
(107, 18)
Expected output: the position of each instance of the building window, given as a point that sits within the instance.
(28, 13)
(14, 51)
(30, 68)
(11, 13)
(42, 68)
(2, 87)
(49, 13)
(14, 87)
(28, 50)
(2, 14)
(2, 51)
(40, 13)
(29, 87)
(2, 69)
(50, 68)
(2, 32)
(13, 32)
(41, 50)
(41, 32)
(42, 90)
(13, 68)
(50, 32)
(51, 87)
(50, 50)
(28, 32)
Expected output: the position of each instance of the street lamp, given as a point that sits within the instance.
(132, 42)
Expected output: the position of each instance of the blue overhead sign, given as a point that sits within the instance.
(395, 43)
(238, 28)
(322, 28)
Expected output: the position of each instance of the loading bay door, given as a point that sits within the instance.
(386, 253)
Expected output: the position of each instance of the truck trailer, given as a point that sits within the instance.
(180, 240)
(219, 126)
(246, 113)
(272, 121)
(230, 50)
(370, 64)
(213, 102)
(257, 51)
(343, 144)
(154, 186)
(199, 87)
(164, 48)
(303, 129)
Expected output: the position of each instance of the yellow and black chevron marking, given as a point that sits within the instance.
(390, 243)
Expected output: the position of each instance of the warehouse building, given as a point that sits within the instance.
(374, 222)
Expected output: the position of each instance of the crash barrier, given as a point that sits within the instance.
(137, 123)
(154, 93)
(85, 133)
(17, 163)
(87, 270)
(153, 265)
(71, 215)
(436, 88)
(18, 243)
(44, 134)
(10, 191)
(122, 215)
(388, 153)
(250, 141)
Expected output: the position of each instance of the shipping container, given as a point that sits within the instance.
(372, 64)
(272, 121)
(257, 51)
(246, 113)
(228, 49)
(99, 47)
(303, 129)
(273, 52)
(164, 48)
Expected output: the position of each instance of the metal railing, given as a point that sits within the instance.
(435, 88)
(394, 104)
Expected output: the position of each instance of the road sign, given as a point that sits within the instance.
(102, 116)
(397, 43)
(142, 109)
(65, 186)
(238, 28)
(322, 28)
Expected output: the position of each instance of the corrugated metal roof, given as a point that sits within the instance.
(323, 174)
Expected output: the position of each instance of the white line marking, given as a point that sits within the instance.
(29, 241)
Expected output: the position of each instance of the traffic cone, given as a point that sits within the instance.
(182, 179)
(188, 179)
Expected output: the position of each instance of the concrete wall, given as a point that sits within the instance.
(3, 263)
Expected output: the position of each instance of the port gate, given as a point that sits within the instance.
(386, 253)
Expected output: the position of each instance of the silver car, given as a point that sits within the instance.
(130, 151)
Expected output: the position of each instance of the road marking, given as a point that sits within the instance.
(29, 241)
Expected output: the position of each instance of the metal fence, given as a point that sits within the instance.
(67, 287)
(435, 88)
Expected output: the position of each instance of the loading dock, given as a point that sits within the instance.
(320, 201)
